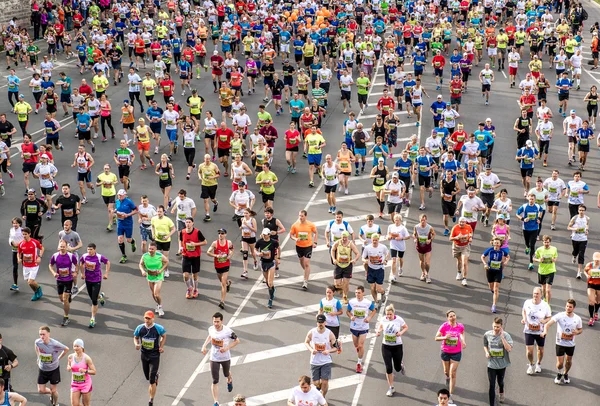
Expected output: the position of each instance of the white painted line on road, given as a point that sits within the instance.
(296, 280)
(570, 288)
(291, 253)
(281, 314)
(400, 112)
(283, 395)
(17, 144)
(346, 219)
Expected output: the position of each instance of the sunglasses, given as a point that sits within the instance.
(222, 233)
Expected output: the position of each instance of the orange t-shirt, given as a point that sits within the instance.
(303, 233)
(457, 230)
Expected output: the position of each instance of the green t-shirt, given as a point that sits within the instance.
(546, 266)
(32, 50)
(363, 85)
(262, 176)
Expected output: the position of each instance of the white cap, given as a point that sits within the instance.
(573, 111)
(266, 231)
(439, 96)
(45, 156)
(78, 342)
(121, 192)
(529, 143)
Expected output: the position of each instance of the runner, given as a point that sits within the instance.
(248, 226)
(49, 352)
(81, 367)
(360, 311)
(320, 342)
(568, 325)
(461, 237)
(84, 162)
(579, 226)
(530, 213)
(423, 234)
(592, 272)
(556, 190)
(63, 267)
(304, 233)
(332, 308)
(376, 256)
(152, 265)
(497, 345)
(221, 251)
(497, 259)
(125, 209)
(547, 256)
(166, 173)
(108, 180)
(535, 314)
(452, 335)
(393, 328)
(90, 269)
(267, 249)
(209, 173)
(150, 338)
(163, 229)
(222, 340)
(30, 253)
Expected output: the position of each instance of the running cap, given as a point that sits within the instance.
(439, 96)
(381, 159)
(171, 98)
(488, 167)
(345, 234)
(266, 231)
(121, 192)
(502, 216)
(222, 230)
(242, 184)
(78, 342)
(45, 156)
(395, 175)
(529, 143)
(149, 314)
(215, 52)
(573, 111)
(21, 96)
(488, 119)
(31, 190)
(321, 318)
(126, 101)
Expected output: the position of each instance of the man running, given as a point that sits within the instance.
(360, 311)
(30, 253)
(49, 353)
(221, 251)
(266, 248)
(304, 233)
(320, 342)
(152, 265)
(90, 269)
(125, 210)
(536, 312)
(191, 241)
(150, 338)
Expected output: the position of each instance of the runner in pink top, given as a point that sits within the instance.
(81, 366)
(452, 336)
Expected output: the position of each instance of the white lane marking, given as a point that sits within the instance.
(18, 144)
(362, 217)
(283, 395)
(400, 112)
(570, 287)
(296, 311)
(258, 285)
(291, 253)
(345, 198)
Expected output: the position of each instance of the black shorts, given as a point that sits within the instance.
(304, 252)
(544, 146)
(222, 269)
(394, 207)
(425, 181)
(65, 97)
(486, 88)
(49, 376)
(531, 339)
(163, 246)
(562, 351)
(128, 125)
(47, 191)
(456, 100)
(209, 192)
(266, 266)
(448, 208)
(592, 286)
(396, 253)
(249, 240)
(84, 135)
(362, 98)
(330, 189)
(552, 203)
(526, 172)
(84, 177)
(124, 171)
(64, 287)
(268, 197)
(342, 273)
(108, 199)
(226, 109)
(487, 199)
(190, 264)
(563, 96)
(546, 279)
(493, 276)
(28, 167)
(221, 152)
(346, 95)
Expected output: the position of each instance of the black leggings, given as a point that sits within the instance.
(214, 370)
(35, 228)
(107, 120)
(10, 97)
(15, 262)
(530, 237)
(493, 376)
(23, 125)
(93, 289)
(190, 154)
(392, 357)
(579, 250)
(135, 96)
(150, 365)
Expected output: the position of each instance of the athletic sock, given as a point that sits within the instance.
(122, 248)
(596, 307)
(591, 310)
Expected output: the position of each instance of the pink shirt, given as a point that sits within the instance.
(452, 345)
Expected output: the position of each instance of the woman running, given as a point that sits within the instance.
(345, 158)
(210, 130)
(332, 308)
(452, 335)
(501, 230)
(393, 328)
(592, 105)
(329, 172)
(583, 136)
(292, 142)
(247, 225)
(166, 174)
(82, 367)
(423, 235)
(503, 205)
(190, 135)
(497, 258)
(105, 116)
(380, 174)
(592, 272)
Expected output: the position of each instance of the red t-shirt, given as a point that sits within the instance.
(194, 236)
(224, 137)
(292, 139)
(155, 48)
(85, 90)
(222, 262)
(530, 99)
(456, 87)
(167, 87)
(29, 252)
(438, 62)
(386, 105)
(458, 137)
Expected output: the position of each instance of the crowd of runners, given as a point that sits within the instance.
(294, 54)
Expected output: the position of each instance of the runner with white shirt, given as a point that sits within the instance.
(535, 313)
(185, 207)
(360, 311)
(570, 126)
(397, 234)
(344, 255)
(46, 172)
(434, 147)
(468, 206)
(346, 83)
(366, 231)
(396, 190)
(486, 77)
(487, 183)
(376, 257)
(306, 394)
(576, 189)
(332, 308)
(393, 328)
(222, 340)
(320, 341)
(170, 118)
(556, 190)
(544, 132)
(568, 325)
(579, 226)
(575, 63)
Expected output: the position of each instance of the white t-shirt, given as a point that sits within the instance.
(314, 397)
(390, 328)
(488, 182)
(171, 118)
(220, 339)
(555, 188)
(335, 229)
(468, 207)
(346, 81)
(535, 313)
(375, 255)
(184, 207)
(401, 232)
(565, 326)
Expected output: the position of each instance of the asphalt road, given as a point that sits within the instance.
(271, 355)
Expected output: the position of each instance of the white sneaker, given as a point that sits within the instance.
(305, 285)
(464, 282)
(156, 308)
(390, 392)
(392, 278)
(400, 272)
(578, 274)
(167, 273)
(538, 368)
(161, 312)
(156, 150)
(530, 370)
(346, 191)
(458, 276)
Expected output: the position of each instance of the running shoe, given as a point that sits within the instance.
(188, 293)
(123, 259)
(358, 368)
(428, 280)
(161, 312)
(501, 397)
(530, 267)
(591, 322)
(65, 321)
(595, 314)
(195, 293)
(578, 275)
(458, 276)
(558, 379)
(229, 386)
(74, 290)
(566, 379)
(14, 287)
(464, 282)
(228, 285)
(305, 285)
(255, 267)
(221, 305)
(167, 275)
(92, 323)
(390, 392)
(400, 272)
(133, 246)
(206, 218)
(527, 251)
(102, 299)
(493, 308)
(446, 232)
(215, 207)
(422, 278)
(109, 227)
(530, 370)
(402, 368)
(244, 275)
(270, 303)
(538, 368)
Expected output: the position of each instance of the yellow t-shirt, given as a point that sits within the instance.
(207, 170)
(22, 109)
(314, 143)
(100, 83)
(108, 183)
(149, 85)
(162, 228)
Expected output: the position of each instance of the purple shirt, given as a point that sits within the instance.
(92, 266)
(64, 265)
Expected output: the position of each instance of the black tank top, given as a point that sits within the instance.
(378, 131)
(271, 225)
(382, 175)
(593, 100)
(448, 187)
(523, 124)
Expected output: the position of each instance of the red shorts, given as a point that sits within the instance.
(143, 146)
(471, 57)
(473, 225)
(217, 72)
(512, 71)
(535, 74)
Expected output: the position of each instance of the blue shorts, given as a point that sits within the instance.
(65, 97)
(314, 159)
(349, 143)
(451, 357)
(145, 233)
(172, 134)
(156, 128)
(360, 151)
(375, 276)
(358, 333)
(126, 230)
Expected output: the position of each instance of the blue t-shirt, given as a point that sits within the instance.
(529, 157)
(125, 206)
(494, 258)
(483, 138)
(533, 213)
(149, 337)
(13, 83)
(299, 104)
(424, 162)
(584, 135)
(83, 121)
(152, 113)
(438, 108)
(404, 171)
(562, 83)
(377, 153)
